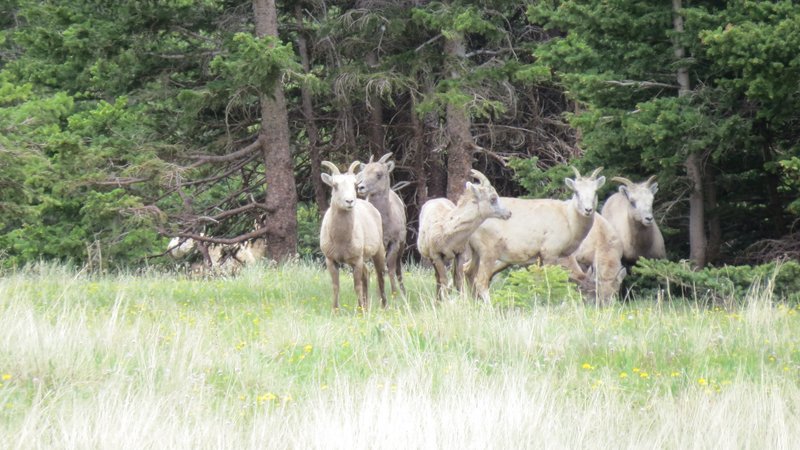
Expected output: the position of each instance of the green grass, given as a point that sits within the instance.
(261, 361)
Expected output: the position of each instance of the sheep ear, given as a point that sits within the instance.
(600, 182)
(327, 179)
(390, 166)
(654, 188)
(472, 188)
(570, 183)
(623, 190)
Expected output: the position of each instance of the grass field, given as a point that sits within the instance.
(260, 361)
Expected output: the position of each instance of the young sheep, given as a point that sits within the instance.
(445, 228)
(597, 263)
(539, 229)
(351, 231)
(630, 212)
(375, 187)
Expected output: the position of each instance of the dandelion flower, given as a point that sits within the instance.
(623, 374)
(6, 376)
(587, 366)
(702, 381)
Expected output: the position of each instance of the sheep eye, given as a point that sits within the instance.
(494, 200)
(380, 175)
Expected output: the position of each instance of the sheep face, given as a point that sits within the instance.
(584, 196)
(343, 189)
(640, 201)
(375, 176)
(487, 201)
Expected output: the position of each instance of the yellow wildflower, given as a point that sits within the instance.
(623, 374)
(587, 366)
(702, 381)
(6, 376)
(307, 348)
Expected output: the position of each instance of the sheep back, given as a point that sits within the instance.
(538, 228)
(432, 218)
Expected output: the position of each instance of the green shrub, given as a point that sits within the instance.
(536, 284)
(720, 284)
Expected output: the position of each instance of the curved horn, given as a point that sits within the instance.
(371, 159)
(480, 177)
(577, 174)
(385, 157)
(596, 172)
(334, 170)
(623, 180)
(650, 180)
(355, 165)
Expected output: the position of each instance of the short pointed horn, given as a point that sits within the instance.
(331, 166)
(480, 177)
(650, 180)
(385, 157)
(355, 165)
(371, 159)
(575, 169)
(623, 180)
(596, 172)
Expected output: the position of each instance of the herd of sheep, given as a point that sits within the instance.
(478, 237)
(483, 233)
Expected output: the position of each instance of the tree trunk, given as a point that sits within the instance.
(375, 121)
(281, 201)
(459, 150)
(714, 225)
(697, 235)
(320, 194)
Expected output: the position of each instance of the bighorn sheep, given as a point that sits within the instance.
(351, 231)
(374, 185)
(630, 212)
(445, 228)
(539, 229)
(597, 263)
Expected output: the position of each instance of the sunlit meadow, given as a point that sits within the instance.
(261, 361)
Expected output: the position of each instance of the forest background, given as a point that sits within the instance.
(124, 123)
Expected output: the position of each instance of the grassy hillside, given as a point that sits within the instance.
(260, 361)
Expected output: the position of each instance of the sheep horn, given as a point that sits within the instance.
(480, 177)
(596, 172)
(623, 180)
(385, 157)
(650, 180)
(577, 174)
(371, 159)
(355, 165)
(334, 170)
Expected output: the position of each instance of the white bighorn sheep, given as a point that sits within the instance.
(351, 231)
(180, 247)
(374, 185)
(597, 263)
(445, 228)
(539, 229)
(630, 212)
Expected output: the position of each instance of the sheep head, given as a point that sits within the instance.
(640, 198)
(375, 176)
(343, 185)
(484, 197)
(584, 191)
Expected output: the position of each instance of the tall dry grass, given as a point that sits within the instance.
(259, 361)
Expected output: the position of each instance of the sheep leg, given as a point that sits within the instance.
(391, 262)
(472, 271)
(379, 261)
(334, 271)
(399, 266)
(441, 276)
(458, 272)
(358, 284)
(486, 271)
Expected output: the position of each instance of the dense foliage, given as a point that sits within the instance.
(122, 123)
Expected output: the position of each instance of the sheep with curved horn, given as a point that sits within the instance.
(539, 229)
(445, 227)
(630, 212)
(375, 186)
(351, 232)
